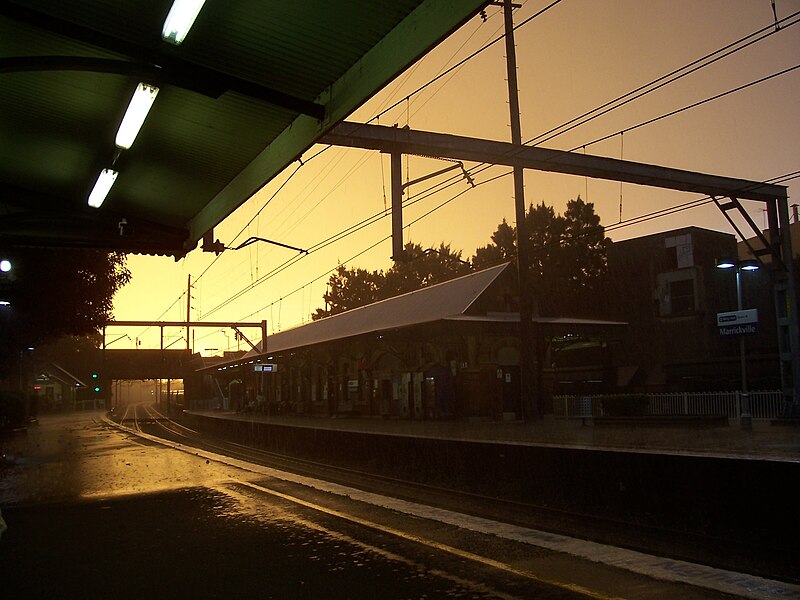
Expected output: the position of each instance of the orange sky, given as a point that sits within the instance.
(575, 57)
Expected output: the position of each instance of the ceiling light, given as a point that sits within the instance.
(101, 187)
(180, 20)
(142, 100)
(5, 265)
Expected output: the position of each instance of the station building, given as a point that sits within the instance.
(452, 350)
(449, 350)
(667, 287)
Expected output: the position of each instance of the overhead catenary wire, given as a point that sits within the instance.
(666, 79)
(663, 80)
(481, 167)
(590, 231)
(376, 117)
(380, 215)
(672, 113)
(397, 103)
(477, 170)
(465, 60)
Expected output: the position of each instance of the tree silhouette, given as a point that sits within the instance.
(351, 288)
(567, 257)
(55, 292)
(348, 289)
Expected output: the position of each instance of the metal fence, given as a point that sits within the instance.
(764, 404)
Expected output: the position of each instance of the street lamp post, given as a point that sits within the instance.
(746, 419)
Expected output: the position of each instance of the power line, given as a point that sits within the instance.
(465, 60)
(443, 185)
(478, 169)
(428, 193)
(406, 98)
(692, 204)
(481, 167)
(592, 231)
(662, 81)
(377, 116)
(285, 182)
(690, 106)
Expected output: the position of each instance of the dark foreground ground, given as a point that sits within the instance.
(94, 512)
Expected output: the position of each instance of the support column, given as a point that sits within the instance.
(786, 295)
(188, 311)
(397, 205)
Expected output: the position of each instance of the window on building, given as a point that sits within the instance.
(677, 293)
(681, 296)
(679, 252)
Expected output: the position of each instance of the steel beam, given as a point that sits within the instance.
(397, 141)
(421, 30)
(231, 324)
(407, 141)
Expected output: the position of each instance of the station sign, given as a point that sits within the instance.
(265, 368)
(738, 322)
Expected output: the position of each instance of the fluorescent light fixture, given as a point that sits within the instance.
(101, 187)
(5, 303)
(180, 20)
(140, 104)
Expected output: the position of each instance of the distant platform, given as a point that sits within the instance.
(717, 438)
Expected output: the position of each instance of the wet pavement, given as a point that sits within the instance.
(94, 512)
(197, 543)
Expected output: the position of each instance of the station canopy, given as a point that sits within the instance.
(254, 84)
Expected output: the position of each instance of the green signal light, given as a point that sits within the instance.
(94, 375)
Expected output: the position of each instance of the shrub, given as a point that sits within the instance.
(12, 410)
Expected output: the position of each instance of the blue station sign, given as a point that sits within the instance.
(738, 322)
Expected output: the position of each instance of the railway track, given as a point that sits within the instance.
(726, 553)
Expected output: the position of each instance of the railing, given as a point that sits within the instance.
(764, 404)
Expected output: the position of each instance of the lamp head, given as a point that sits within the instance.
(726, 263)
(749, 264)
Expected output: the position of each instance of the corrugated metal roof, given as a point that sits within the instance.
(425, 305)
(254, 85)
(447, 301)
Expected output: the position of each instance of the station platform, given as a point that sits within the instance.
(767, 440)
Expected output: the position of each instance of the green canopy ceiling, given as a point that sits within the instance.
(254, 85)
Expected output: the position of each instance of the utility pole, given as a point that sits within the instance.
(188, 310)
(530, 404)
(397, 206)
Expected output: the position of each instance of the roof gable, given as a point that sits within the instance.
(425, 305)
